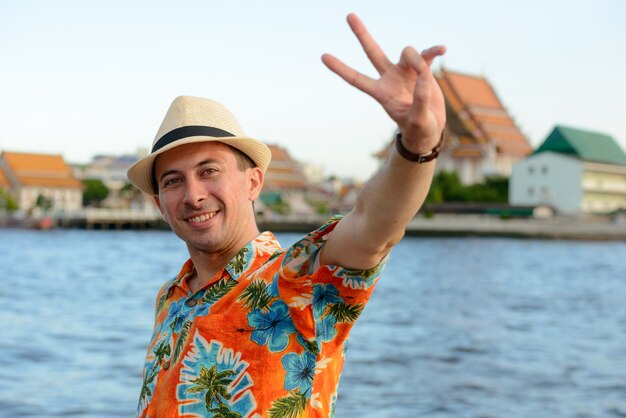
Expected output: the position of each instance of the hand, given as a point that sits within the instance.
(407, 90)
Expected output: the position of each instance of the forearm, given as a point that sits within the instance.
(410, 95)
(384, 206)
(391, 198)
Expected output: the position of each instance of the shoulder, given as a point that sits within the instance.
(300, 257)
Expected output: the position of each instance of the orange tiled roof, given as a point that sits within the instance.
(41, 170)
(284, 172)
(473, 107)
(4, 181)
(467, 153)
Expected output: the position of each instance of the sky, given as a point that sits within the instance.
(82, 78)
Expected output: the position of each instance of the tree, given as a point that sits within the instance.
(44, 202)
(447, 187)
(274, 202)
(129, 191)
(94, 192)
(7, 201)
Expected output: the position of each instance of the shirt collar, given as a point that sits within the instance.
(264, 245)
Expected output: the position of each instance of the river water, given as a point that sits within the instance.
(458, 327)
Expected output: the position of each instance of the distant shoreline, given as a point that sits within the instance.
(447, 225)
(561, 228)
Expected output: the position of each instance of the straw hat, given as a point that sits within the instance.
(194, 119)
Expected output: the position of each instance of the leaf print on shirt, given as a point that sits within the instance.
(290, 406)
(147, 388)
(214, 385)
(345, 312)
(272, 327)
(161, 351)
(311, 346)
(256, 295)
(161, 302)
(215, 292)
(239, 262)
(223, 411)
(181, 341)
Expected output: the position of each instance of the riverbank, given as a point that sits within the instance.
(448, 225)
(577, 228)
(439, 225)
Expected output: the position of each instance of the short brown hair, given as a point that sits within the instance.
(243, 161)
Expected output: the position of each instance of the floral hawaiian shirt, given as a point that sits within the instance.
(266, 338)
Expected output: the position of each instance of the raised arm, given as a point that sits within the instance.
(411, 96)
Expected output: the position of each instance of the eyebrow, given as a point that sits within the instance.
(200, 164)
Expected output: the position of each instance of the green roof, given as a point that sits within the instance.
(586, 145)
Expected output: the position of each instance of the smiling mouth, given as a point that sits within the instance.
(203, 217)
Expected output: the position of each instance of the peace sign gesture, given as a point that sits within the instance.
(407, 90)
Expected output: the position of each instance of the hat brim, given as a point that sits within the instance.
(140, 173)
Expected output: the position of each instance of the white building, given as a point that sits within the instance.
(574, 171)
(34, 176)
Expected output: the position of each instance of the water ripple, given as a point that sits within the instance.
(495, 328)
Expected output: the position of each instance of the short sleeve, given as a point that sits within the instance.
(324, 301)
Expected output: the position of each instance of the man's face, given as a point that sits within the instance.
(206, 198)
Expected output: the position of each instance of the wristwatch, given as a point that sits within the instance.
(418, 158)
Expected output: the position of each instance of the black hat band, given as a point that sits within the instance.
(186, 132)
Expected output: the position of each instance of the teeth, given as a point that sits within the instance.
(202, 218)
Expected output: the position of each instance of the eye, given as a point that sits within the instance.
(172, 181)
(208, 171)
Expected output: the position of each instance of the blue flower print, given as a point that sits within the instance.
(323, 295)
(173, 318)
(325, 329)
(300, 371)
(272, 327)
(202, 310)
(272, 289)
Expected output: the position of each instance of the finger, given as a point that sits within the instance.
(375, 54)
(410, 59)
(352, 77)
(433, 52)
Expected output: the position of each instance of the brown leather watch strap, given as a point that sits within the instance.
(418, 158)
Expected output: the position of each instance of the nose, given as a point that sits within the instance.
(194, 192)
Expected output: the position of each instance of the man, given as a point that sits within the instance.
(247, 329)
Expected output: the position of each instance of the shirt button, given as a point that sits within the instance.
(166, 365)
(192, 302)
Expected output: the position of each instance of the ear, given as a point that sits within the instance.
(255, 183)
(157, 202)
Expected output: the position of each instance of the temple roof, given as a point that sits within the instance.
(475, 111)
(283, 172)
(40, 170)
